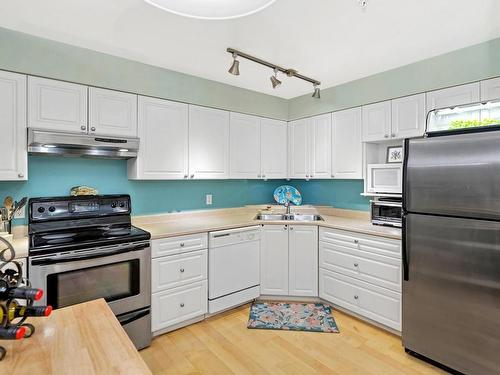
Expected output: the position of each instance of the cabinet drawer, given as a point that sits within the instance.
(372, 244)
(376, 269)
(378, 304)
(179, 304)
(177, 270)
(178, 245)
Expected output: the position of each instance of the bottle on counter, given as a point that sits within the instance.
(12, 333)
(17, 311)
(8, 292)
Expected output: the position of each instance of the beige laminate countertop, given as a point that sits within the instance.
(184, 223)
(81, 339)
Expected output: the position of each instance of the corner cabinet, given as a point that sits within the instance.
(273, 149)
(112, 113)
(57, 105)
(347, 151)
(289, 260)
(244, 145)
(14, 160)
(163, 151)
(208, 143)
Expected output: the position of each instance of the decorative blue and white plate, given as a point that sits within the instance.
(287, 193)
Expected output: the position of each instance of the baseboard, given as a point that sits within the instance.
(269, 298)
(179, 325)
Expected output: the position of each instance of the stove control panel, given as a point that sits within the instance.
(43, 209)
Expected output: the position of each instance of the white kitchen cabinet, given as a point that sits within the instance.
(453, 96)
(303, 260)
(347, 151)
(112, 113)
(273, 148)
(408, 116)
(376, 119)
(274, 260)
(298, 149)
(14, 159)
(57, 105)
(244, 145)
(320, 146)
(208, 143)
(490, 89)
(163, 133)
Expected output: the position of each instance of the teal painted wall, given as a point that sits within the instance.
(37, 56)
(465, 65)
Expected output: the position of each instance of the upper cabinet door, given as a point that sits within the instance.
(163, 131)
(408, 116)
(57, 105)
(298, 149)
(453, 96)
(320, 144)
(347, 151)
(376, 121)
(14, 159)
(244, 146)
(490, 89)
(112, 113)
(273, 148)
(208, 143)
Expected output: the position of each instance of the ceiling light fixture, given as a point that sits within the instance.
(235, 66)
(274, 80)
(212, 9)
(317, 92)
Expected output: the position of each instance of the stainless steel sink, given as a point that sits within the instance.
(288, 217)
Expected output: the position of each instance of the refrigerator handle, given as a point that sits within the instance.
(406, 150)
(406, 261)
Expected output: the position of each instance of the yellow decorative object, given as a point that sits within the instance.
(83, 190)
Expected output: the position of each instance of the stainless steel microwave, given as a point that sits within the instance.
(387, 211)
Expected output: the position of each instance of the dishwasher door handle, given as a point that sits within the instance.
(221, 235)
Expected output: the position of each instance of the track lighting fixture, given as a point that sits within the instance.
(234, 70)
(317, 92)
(274, 79)
(235, 66)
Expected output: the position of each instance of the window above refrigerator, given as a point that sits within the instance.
(464, 117)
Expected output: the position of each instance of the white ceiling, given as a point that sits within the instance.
(334, 41)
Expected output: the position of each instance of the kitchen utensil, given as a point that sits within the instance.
(18, 206)
(8, 203)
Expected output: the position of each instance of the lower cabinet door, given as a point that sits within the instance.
(303, 260)
(180, 304)
(274, 260)
(378, 304)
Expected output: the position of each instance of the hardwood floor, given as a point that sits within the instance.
(223, 345)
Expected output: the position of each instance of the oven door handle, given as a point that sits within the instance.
(133, 316)
(93, 255)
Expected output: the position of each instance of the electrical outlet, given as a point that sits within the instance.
(21, 214)
(208, 199)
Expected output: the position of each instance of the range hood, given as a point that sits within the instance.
(49, 142)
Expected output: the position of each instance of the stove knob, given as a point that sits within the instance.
(122, 204)
(52, 209)
(41, 209)
(113, 205)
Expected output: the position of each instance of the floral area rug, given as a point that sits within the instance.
(313, 317)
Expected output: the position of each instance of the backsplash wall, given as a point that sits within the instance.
(54, 176)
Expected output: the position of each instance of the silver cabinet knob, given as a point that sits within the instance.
(307, 176)
(182, 244)
(83, 127)
(263, 176)
(386, 135)
(192, 176)
(356, 241)
(20, 175)
(291, 228)
(333, 175)
(356, 264)
(92, 128)
(182, 305)
(259, 176)
(393, 135)
(182, 270)
(356, 297)
(186, 176)
(285, 227)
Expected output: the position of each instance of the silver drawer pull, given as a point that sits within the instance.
(356, 241)
(182, 270)
(182, 244)
(356, 264)
(182, 305)
(356, 297)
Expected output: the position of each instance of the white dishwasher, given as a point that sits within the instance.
(233, 267)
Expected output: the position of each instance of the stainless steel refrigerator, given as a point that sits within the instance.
(451, 250)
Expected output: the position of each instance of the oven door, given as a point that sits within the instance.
(120, 274)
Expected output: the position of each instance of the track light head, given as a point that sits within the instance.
(317, 92)
(235, 66)
(274, 79)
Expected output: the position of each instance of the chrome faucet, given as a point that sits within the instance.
(287, 206)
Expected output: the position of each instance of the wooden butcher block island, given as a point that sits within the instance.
(80, 339)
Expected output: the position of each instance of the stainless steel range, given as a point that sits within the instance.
(83, 248)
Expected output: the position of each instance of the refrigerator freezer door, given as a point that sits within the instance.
(455, 175)
(451, 300)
